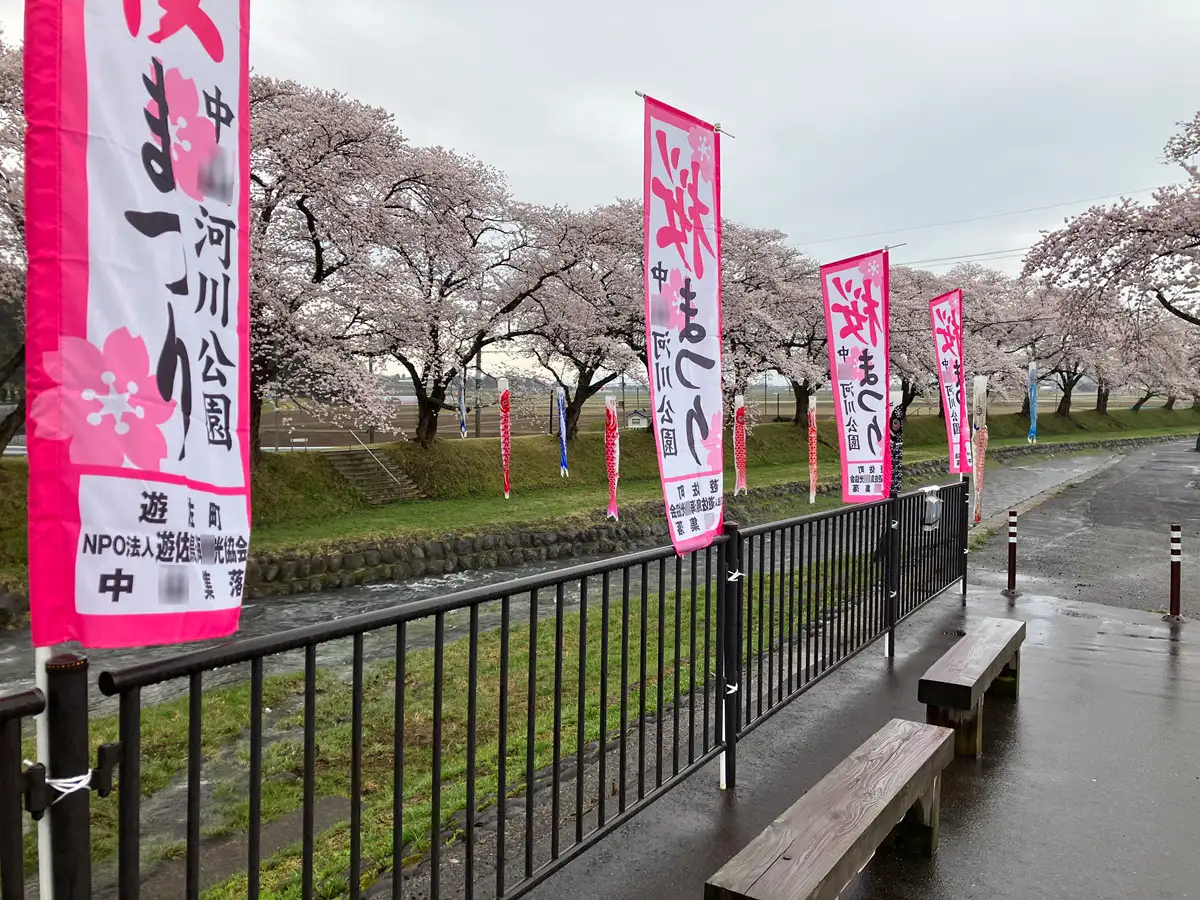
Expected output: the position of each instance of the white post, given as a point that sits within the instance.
(41, 656)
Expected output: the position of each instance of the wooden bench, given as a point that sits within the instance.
(889, 789)
(986, 661)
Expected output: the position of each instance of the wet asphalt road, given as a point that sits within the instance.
(1106, 540)
(1088, 787)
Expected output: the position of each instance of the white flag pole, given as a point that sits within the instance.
(41, 655)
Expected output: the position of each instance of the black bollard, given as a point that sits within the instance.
(70, 823)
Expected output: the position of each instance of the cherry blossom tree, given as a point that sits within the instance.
(12, 236)
(912, 350)
(460, 257)
(322, 169)
(1140, 253)
(580, 321)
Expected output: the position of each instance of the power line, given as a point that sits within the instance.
(965, 256)
(1014, 212)
(990, 259)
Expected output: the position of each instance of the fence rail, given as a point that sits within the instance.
(472, 744)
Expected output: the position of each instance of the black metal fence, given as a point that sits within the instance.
(472, 744)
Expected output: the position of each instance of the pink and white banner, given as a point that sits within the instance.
(137, 331)
(945, 314)
(683, 318)
(855, 293)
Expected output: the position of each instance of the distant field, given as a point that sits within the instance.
(297, 428)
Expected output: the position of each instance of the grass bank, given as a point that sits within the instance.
(301, 503)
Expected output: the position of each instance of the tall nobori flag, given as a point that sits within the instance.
(562, 434)
(137, 319)
(855, 293)
(682, 194)
(945, 313)
(1033, 402)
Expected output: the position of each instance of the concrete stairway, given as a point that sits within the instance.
(377, 477)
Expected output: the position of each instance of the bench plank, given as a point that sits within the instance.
(820, 843)
(960, 678)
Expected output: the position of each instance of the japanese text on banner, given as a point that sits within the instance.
(683, 318)
(139, 447)
(945, 313)
(855, 293)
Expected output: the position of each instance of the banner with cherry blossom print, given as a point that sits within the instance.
(945, 313)
(855, 293)
(137, 331)
(683, 318)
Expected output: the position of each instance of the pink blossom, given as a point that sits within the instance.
(193, 135)
(703, 151)
(105, 403)
(871, 267)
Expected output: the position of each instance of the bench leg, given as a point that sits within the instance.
(1008, 682)
(967, 725)
(917, 833)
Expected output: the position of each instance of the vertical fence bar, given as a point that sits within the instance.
(531, 731)
(746, 599)
(356, 765)
(769, 649)
(708, 627)
(792, 634)
(310, 768)
(435, 788)
(662, 671)
(129, 796)
(472, 723)
(678, 664)
(398, 767)
(580, 711)
(12, 879)
(555, 771)
(254, 837)
(759, 647)
(808, 603)
(729, 610)
(692, 668)
(1176, 570)
(603, 779)
(70, 813)
(195, 757)
(840, 569)
(893, 572)
(502, 749)
(645, 623)
(623, 753)
(965, 526)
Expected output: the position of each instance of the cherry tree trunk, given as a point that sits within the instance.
(1141, 401)
(575, 403)
(802, 391)
(908, 393)
(1169, 406)
(1064, 402)
(11, 425)
(427, 420)
(256, 405)
(1102, 402)
(1025, 406)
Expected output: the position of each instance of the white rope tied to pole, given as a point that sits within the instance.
(64, 786)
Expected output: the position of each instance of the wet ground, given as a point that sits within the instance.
(1005, 487)
(1106, 540)
(1088, 787)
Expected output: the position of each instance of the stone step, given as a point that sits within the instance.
(377, 477)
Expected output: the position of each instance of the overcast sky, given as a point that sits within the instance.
(849, 118)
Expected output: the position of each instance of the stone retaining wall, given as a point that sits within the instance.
(641, 526)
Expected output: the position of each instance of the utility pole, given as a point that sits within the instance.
(478, 388)
(371, 371)
(622, 393)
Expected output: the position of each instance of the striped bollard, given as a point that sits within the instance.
(1176, 582)
(1011, 590)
